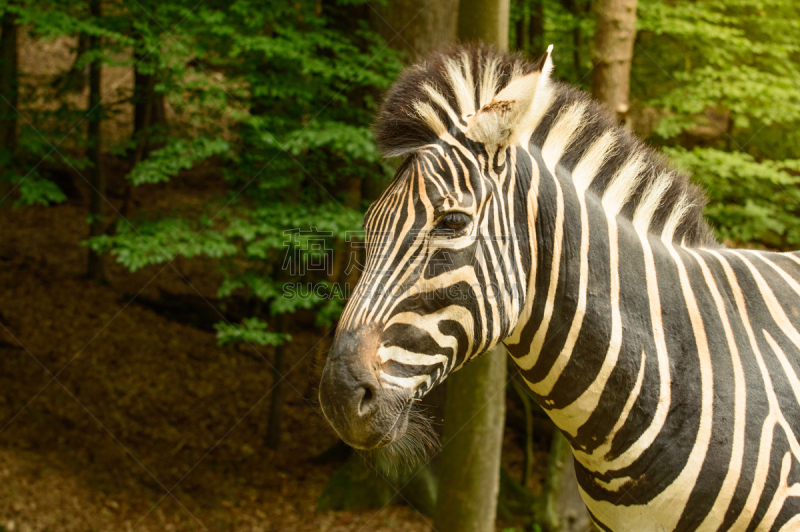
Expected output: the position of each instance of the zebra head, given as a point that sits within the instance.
(445, 276)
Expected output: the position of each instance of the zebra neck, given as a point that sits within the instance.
(587, 273)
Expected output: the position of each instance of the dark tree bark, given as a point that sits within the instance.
(547, 503)
(572, 513)
(521, 26)
(527, 467)
(74, 80)
(418, 27)
(97, 207)
(148, 109)
(612, 54)
(81, 74)
(536, 28)
(574, 7)
(8, 82)
(8, 88)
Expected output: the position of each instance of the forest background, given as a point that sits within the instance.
(171, 170)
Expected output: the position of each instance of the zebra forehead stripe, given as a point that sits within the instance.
(428, 114)
(461, 82)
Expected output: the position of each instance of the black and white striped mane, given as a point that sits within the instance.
(403, 127)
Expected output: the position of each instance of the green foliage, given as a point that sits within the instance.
(741, 56)
(749, 201)
(725, 76)
(34, 190)
(274, 226)
(160, 241)
(568, 26)
(250, 331)
(281, 95)
(177, 155)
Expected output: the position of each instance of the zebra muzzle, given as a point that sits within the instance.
(365, 413)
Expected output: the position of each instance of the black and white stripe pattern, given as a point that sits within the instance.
(670, 363)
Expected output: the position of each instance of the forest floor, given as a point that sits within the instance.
(116, 417)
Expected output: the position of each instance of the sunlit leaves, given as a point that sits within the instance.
(274, 99)
(161, 241)
(250, 331)
(176, 156)
(738, 55)
(749, 201)
(34, 190)
(738, 60)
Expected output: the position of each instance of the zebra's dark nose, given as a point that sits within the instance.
(362, 412)
(368, 400)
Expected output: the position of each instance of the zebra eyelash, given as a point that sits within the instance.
(443, 227)
(444, 214)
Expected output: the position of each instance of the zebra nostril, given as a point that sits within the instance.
(368, 401)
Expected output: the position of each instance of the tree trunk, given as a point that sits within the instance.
(81, 75)
(97, 207)
(574, 7)
(536, 29)
(74, 80)
(418, 27)
(148, 109)
(8, 88)
(521, 27)
(472, 443)
(527, 467)
(612, 54)
(8, 82)
(483, 20)
(572, 513)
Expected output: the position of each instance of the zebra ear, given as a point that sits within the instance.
(495, 123)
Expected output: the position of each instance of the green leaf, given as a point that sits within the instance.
(249, 331)
(34, 190)
(178, 155)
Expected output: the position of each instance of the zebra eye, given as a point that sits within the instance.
(454, 221)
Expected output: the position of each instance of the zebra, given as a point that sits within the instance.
(523, 214)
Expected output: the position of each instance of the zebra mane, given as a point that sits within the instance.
(431, 96)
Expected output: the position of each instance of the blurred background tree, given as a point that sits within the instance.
(258, 112)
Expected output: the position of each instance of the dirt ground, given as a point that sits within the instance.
(113, 417)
